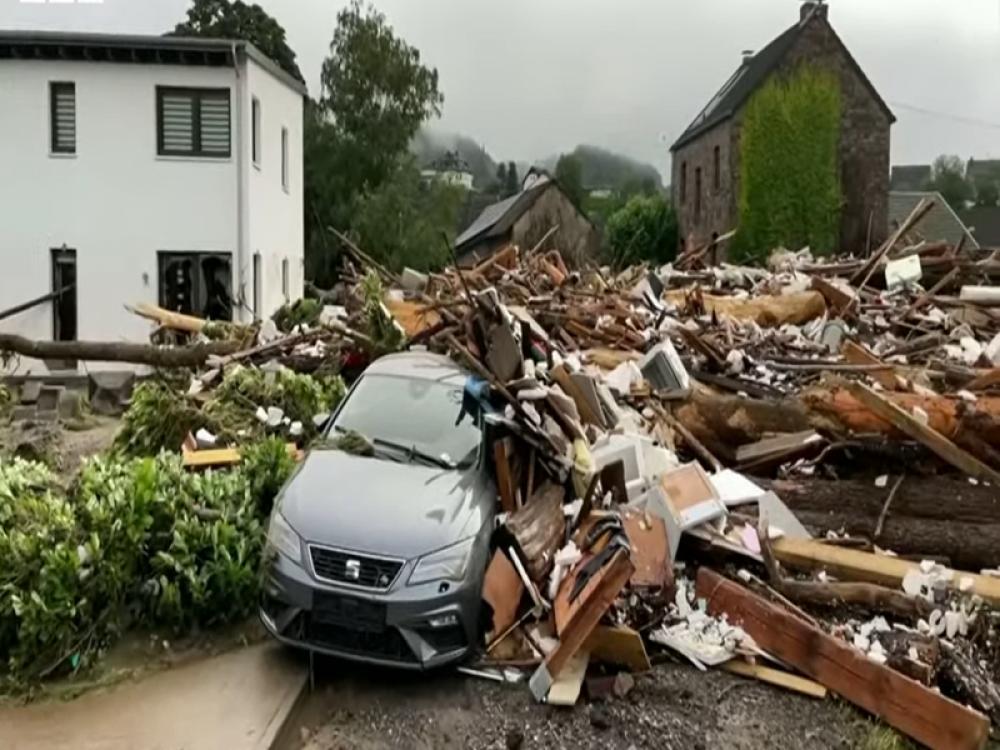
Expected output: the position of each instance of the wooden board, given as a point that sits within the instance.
(212, 457)
(647, 536)
(502, 589)
(618, 645)
(856, 354)
(926, 716)
(502, 450)
(565, 691)
(911, 426)
(854, 565)
(776, 677)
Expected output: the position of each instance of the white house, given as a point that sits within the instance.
(145, 169)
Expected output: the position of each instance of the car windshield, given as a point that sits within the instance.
(411, 412)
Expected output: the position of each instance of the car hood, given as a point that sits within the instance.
(380, 506)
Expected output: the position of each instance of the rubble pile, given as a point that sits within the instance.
(644, 426)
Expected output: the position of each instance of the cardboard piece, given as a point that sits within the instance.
(502, 590)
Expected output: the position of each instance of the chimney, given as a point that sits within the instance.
(813, 7)
(747, 55)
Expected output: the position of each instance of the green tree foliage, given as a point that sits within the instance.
(513, 183)
(790, 188)
(608, 170)
(237, 20)
(502, 179)
(375, 94)
(569, 175)
(987, 193)
(405, 219)
(644, 229)
(948, 178)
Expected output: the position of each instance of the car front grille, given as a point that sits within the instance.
(387, 644)
(443, 640)
(354, 570)
(349, 612)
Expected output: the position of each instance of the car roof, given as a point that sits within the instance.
(418, 365)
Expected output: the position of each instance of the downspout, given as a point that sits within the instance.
(242, 209)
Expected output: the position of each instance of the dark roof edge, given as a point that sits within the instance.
(150, 41)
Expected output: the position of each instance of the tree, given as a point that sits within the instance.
(502, 179)
(789, 181)
(513, 184)
(948, 178)
(375, 94)
(237, 20)
(987, 193)
(569, 175)
(644, 229)
(405, 220)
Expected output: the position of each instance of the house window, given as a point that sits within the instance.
(197, 284)
(257, 291)
(64, 287)
(62, 97)
(717, 171)
(284, 158)
(256, 131)
(284, 279)
(697, 194)
(192, 122)
(684, 181)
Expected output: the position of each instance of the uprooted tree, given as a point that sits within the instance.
(789, 184)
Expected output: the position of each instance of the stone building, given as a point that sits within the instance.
(524, 219)
(706, 157)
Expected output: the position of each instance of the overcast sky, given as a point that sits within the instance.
(530, 78)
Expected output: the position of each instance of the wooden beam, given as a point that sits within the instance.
(858, 355)
(505, 483)
(921, 713)
(911, 426)
(854, 565)
(776, 677)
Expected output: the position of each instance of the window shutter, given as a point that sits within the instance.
(215, 123)
(64, 118)
(177, 126)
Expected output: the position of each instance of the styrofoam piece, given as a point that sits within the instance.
(903, 272)
(733, 488)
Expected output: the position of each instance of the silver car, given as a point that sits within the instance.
(381, 558)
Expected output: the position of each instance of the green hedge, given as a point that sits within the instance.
(790, 186)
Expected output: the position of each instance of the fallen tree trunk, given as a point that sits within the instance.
(930, 516)
(116, 351)
(769, 311)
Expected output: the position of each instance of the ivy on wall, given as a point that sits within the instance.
(790, 187)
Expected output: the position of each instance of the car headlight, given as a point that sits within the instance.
(448, 564)
(283, 538)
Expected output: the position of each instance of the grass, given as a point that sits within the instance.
(882, 737)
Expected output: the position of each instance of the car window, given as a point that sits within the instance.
(412, 412)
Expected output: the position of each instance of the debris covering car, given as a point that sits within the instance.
(380, 557)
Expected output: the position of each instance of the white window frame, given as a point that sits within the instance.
(255, 139)
(284, 159)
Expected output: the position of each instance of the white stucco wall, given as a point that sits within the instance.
(275, 214)
(115, 201)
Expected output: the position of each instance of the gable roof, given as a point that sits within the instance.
(940, 223)
(910, 177)
(497, 218)
(984, 223)
(752, 74)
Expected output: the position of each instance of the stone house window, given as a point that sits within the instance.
(717, 175)
(697, 194)
(684, 181)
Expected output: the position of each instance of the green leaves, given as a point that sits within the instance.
(133, 538)
(790, 186)
(644, 229)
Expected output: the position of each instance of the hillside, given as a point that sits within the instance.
(606, 169)
(428, 145)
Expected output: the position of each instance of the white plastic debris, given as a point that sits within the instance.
(205, 439)
(882, 481)
(274, 416)
(261, 414)
(972, 350)
(295, 428)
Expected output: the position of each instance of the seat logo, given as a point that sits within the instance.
(352, 569)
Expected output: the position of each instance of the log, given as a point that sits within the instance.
(168, 318)
(195, 355)
(964, 529)
(769, 311)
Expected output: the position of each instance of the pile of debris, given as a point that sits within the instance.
(629, 413)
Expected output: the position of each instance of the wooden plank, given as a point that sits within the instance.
(835, 297)
(502, 589)
(505, 482)
(647, 536)
(565, 691)
(619, 645)
(987, 379)
(926, 716)
(911, 426)
(212, 457)
(858, 355)
(776, 677)
(855, 565)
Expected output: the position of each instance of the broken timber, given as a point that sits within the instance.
(927, 716)
(195, 355)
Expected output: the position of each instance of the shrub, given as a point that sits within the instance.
(301, 312)
(644, 229)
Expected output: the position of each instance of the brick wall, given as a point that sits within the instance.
(576, 239)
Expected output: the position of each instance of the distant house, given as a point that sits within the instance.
(910, 177)
(982, 171)
(984, 223)
(940, 223)
(451, 169)
(706, 157)
(524, 219)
